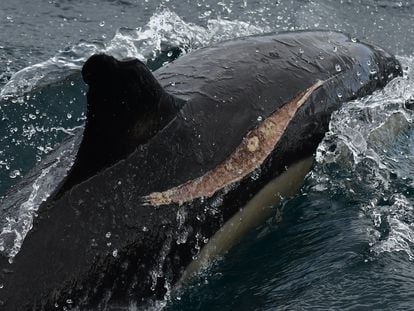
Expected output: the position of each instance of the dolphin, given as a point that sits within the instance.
(168, 159)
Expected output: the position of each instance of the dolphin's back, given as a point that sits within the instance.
(230, 87)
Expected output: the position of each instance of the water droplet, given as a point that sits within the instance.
(353, 39)
(102, 23)
(335, 49)
(93, 243)
(69, 301)
(145, 229)
(32, 116)
(338, 67)
(115, 253)
(372, 71)
(72, 83)
(301, 51)
(14, 174)
(369, 63)
(56, 305)
(1, 286)
(69, 116)
(259, 118)
(358, 73)
(170, 53)
(108, 235)
(339, 95)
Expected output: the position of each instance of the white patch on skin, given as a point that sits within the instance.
(251, 153)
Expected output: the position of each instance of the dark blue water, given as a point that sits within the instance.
(346, 241)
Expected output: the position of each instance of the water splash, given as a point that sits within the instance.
(164, 30)
(18, 215)
(368, 157)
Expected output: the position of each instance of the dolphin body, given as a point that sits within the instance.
(167, 158)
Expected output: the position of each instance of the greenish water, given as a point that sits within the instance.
(344, 242)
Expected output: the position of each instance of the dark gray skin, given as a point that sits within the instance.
(195, 116)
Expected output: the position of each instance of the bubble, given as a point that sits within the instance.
(144, 229)
(115, 253)
(69, 116)
(339, 94)
(353, 39)
(170, 53)
(108, 235)
(335, 49)
(338, 68)
(69, 301)
(102, 23)
(259, 118)
(301, 51)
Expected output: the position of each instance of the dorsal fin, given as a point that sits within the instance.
(126, 106)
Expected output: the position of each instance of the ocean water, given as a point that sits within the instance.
(346, 241)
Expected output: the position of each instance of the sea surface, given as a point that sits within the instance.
(345, 242)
